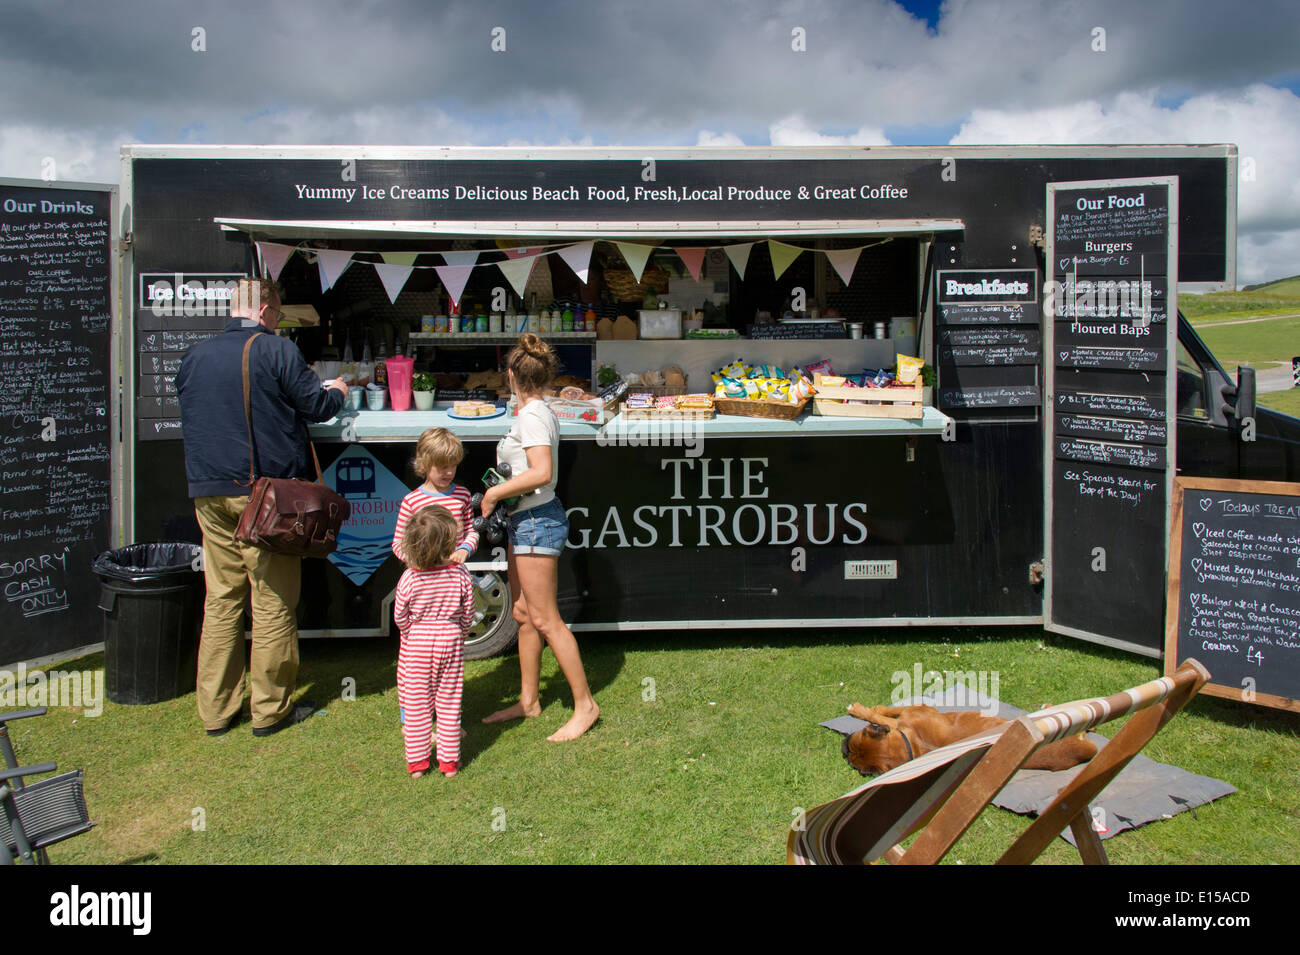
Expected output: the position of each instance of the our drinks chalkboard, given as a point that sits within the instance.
(56, 290)
(1234, 587)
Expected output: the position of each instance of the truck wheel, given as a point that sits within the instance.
(496, 631)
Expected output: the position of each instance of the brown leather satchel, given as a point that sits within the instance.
(286, 515)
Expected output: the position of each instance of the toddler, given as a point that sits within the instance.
(435, 606)
(436, 455)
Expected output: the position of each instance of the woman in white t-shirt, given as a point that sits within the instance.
(539, 528)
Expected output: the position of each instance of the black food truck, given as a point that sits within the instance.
(1029, 484)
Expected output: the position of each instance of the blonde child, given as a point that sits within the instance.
(435, 606)
(437, 454)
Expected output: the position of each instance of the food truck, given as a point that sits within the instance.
(1028, 484)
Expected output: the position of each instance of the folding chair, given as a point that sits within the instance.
(36, 815)
(942, 792)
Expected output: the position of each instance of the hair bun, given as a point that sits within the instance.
(533, 345)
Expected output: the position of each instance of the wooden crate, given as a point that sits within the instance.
(881, 402)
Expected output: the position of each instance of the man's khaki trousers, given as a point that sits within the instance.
(235, 572)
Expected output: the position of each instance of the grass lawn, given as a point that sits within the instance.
(707, 745)
(1253, 343)
(1279, 300)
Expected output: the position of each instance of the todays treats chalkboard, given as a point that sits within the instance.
(1234, 587)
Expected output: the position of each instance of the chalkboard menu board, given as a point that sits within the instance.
(176, 310)
(1234, 587)
(988, 344)
(56, 268)
(1110, 342)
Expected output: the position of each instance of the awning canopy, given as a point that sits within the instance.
(668, 229)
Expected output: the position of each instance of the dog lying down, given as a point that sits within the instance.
(896, 734)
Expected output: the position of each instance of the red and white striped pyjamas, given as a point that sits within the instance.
(433, 610)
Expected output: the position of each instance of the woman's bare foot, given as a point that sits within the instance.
(581, 721)
(516, 712)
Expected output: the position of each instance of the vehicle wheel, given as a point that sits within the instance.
(496, 631)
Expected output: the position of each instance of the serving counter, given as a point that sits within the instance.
(399, 426)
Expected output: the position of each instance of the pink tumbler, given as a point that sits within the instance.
(399, 382)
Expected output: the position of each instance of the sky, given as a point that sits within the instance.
(79, 79)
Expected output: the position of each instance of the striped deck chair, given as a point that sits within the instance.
(942, 792)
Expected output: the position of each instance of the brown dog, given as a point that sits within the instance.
(897, 734)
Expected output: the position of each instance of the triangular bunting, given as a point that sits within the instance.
(459, 258)
(332, 264)
(394, 278)
(578, 258)
(739, 255)
(453, 279)
(400, 258)
(636, 256)
(517, 271)
(273, 257)
(694, 258)
(782, 255)
(844, 261)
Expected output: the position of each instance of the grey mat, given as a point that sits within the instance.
(1144, 792)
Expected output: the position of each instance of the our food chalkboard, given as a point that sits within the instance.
(1109, 338)
(56, 268)
(987, 340)
(1234, 587)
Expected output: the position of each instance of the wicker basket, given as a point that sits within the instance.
(759, 408)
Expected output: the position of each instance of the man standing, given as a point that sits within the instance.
(285, 395)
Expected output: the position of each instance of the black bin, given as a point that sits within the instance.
(152, 598)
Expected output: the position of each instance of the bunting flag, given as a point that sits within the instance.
(400, 258)
(844, 261)
(578, 258)
(693, 258)
(332, 264)
(453, 279)
(739, 255)
(783, 255)
(394, 278)
(517, 271)
(636, 256)
(459, 258)
(274, 256)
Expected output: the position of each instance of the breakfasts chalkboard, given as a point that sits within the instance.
(1234, 587)
(988, 318)
(55, 314)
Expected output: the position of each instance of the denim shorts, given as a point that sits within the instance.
(542, 530)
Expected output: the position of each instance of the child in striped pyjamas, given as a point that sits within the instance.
(436, 455)
(435, 606)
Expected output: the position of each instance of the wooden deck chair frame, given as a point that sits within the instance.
(941, 793)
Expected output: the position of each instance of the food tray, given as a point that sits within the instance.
(667, 414)
(759, 408)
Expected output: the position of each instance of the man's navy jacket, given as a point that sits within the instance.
(286, 394)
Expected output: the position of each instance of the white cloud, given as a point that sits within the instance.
(1263, 121)
(708, 137)
(795, 131)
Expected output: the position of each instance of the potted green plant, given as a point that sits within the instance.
(422, 389)
(928, 381)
